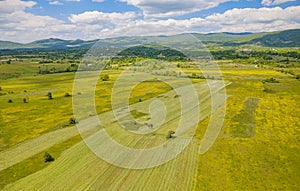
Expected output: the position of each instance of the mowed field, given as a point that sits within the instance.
(257, 148)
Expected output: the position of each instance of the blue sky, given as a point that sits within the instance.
(28, 20)
(44, 7)
(72, 7)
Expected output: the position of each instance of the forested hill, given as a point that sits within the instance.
(154, 52)
(289, 38)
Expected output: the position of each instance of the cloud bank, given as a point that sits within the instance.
(18, 25)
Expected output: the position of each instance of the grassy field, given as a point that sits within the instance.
(257, 148)
(172, 168)
(261, 155)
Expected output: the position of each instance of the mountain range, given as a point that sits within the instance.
(287, 38)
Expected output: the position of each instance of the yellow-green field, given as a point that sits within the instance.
(257, 148)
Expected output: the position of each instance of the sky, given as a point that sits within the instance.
(29, 20)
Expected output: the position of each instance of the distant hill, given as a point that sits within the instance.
(226, 37)
(52, 43)
(10, 45)
(288, 38)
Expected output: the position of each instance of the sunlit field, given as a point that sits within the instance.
(149, 95)
(256, 149)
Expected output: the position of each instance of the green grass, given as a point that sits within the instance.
(137, 114)
(245, 120)
(257, 148)
(34, 163)
(26, 67)
(88, 162)
(28, 120)
(142, 108)
(21, 122)
(266, 161)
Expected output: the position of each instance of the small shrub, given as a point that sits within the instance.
(105, 77)
(25, 100)
(170, 134)
(67, 95)
(49, 95)
(140, 100)
(48, 157)
(270, 80)
(266, 90)
(73, 121)
(10, 101)
(68, 69)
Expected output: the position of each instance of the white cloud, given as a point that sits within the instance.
(55, 3)
(274, 2)
(103, 25)
(169, 8)
(92, 24)
(96, 17)
(18, 25)
(256, 20)
(8, 6)
(277, 2)
(267, 2)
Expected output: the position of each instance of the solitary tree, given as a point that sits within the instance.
(49, 95)
(73, 121)
(48, 157)
(25, 100)
(67, 95)
(170, 134)
(40, 70)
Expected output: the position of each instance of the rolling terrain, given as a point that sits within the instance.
(289, 38)
(150, 118)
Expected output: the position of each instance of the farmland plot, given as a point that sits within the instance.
(79, 168)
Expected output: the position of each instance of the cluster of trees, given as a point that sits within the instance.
(45, 70)
(201, 76)
(271, 80)
(61, 54)
(152, 52)
(266, 55)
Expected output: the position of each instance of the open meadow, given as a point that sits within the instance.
(257, 147)
(150, 95)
